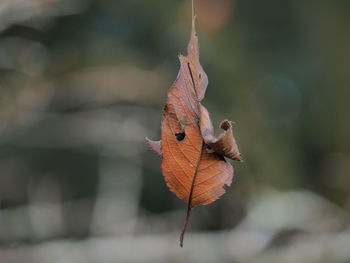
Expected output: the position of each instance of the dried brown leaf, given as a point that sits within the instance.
(193, 162)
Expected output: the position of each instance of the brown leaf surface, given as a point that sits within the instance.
(193, 162)
(224, 145)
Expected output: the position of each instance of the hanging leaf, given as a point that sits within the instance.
(193, 162)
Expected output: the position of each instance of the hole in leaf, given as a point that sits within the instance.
(209, 149)
(180, 136)
(165, 108)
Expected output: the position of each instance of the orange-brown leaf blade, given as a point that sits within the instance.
(199, 77)
(213, 173)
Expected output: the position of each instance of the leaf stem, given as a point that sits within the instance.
(189, 204)
(184, 228)
(192, 10)
(193, 14)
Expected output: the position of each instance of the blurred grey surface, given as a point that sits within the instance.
(82, 83)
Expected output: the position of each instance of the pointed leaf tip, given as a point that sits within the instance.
(154, 145)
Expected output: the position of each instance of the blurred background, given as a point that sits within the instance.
(82, 82)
